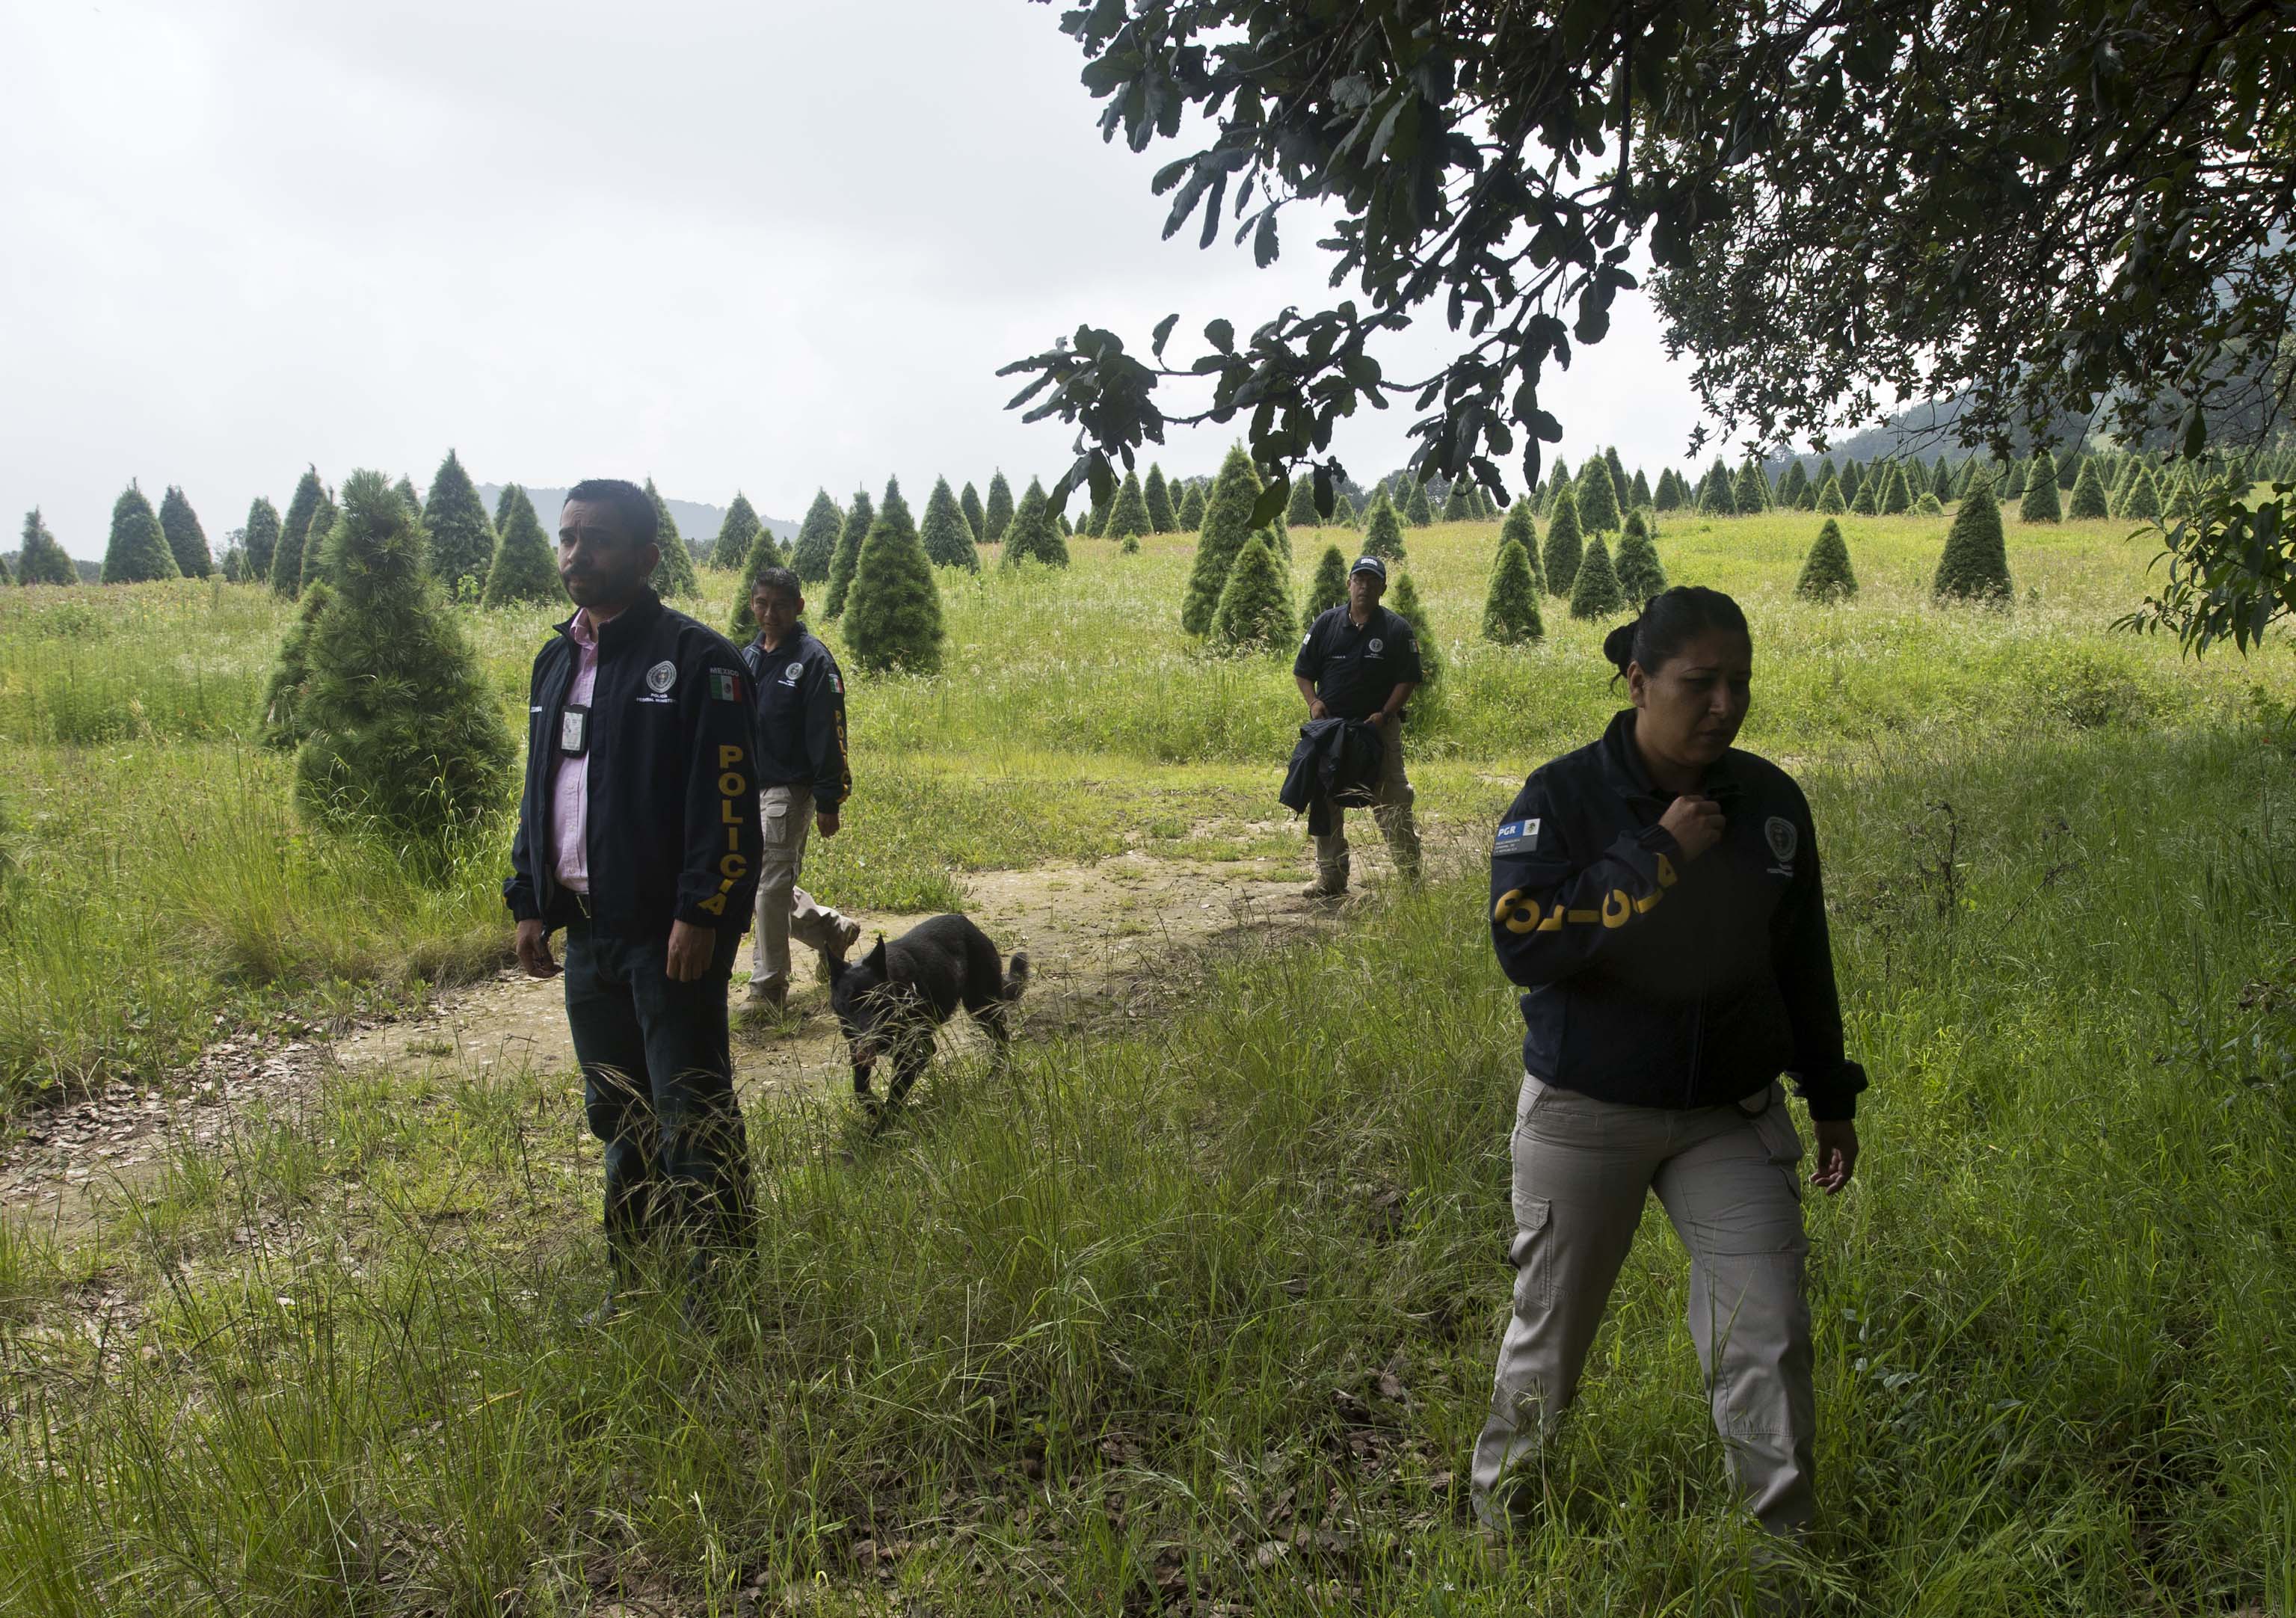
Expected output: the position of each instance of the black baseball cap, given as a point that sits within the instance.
(1370, 564)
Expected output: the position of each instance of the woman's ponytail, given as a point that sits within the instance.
(1667, 622)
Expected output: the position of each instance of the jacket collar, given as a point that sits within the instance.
(624, 626)
(791, 643)
(1622, 761)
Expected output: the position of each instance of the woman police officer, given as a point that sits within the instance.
(1656, 893)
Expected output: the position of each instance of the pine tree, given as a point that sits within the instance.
(1717, 499)
(1095, 521)
(1383, 533)
(817, 538)
(947, 537)
(1641, 576)
(997, 515)
(463, 541)
(285, 726)
(2040, 503)
(975, 517)
(1161, 518)
(405, 732)
(1403, 600)
(1344, 514)
(765, 554)
(1668, 496)
(1417, 511)
(1520, 529)
(1594, 590)
(405, 489)
(1300, 507)
(1227, 525)
(1564, 545)
(1558, 477)
(2014, 487)
(1127, 519)
(1192, 509)
(1825, 572)
(287, 555)
(2067, 469)
(674, 574)
(1866, 501)
(2088, 500)
(892, 613)
(2142, 501)
(1941, 479)
(8, 576)
(848, 556)
(1457, 505)
(1975, 565)
(1824, 473)
(525, 566)
(1511, 605)
(1972, 469)
(1749, 491)
(259, 540)
(42, 560)
(138, 550)
(1032, 535)
(1328, 589)
(1255, 603)
(1794, 487)
(1896, 497)
(1854, 477)
(1597, 497)
(1929, 505)
(1618, 476)
(314, 543)
(729, 552)
(234, 565)
(187, 541)
(1829, 498)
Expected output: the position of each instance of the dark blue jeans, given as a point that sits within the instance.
(658, 1084)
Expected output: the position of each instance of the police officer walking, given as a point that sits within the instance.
(637, 834)
(1361, 662)
(804, 776)
(1657, 894)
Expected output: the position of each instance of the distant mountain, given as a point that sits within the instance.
(698, 523)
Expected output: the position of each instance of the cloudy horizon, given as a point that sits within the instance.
(774, 251)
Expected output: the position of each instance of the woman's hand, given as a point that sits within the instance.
(1694, 823)
(1837, 1154)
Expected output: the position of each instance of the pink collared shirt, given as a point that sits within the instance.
(570, 790)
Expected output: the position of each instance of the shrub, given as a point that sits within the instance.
(1641, 575)
(1560, 557)
(525, 566)
(946, 535)
(1328, 589)
(405, 734)
(138, 550)
(846, 558)
(463, 541)
(1301, 508)
(1458, 506)
(1416, 511)
(1867, 501)
(1594, 590)
(2040, 503)
(405, 489)
(1929, 504)
(1597, 497)
(187, 541)
(1853, 479)
(892, 613)
(284, 726)
(43, 561)
(1192, 509)
(1715, 499)
(1032, 535)
(1384, 531)
(1511, 604)
(1161, 518)
(1127, 519)
(1829, 498)
(975, 518)
(1826, 575)
(1227, 526)
(287, 556)
(1751, 489)
(1794, 487)
(2089, 501)
(1403, 600)
(729, 552)
(1667, 496)
(997, 516)
(2142, 500)
(1975, 565)
(258, 540)
(233, 567)
(1255, 605)
(817, 538)
(1639, 494)
(674, 574)
(1519, 529)
(1344, 514)
(1897, 493)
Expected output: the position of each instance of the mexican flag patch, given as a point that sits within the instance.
(725, 685)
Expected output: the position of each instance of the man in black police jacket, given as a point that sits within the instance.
(1361, 662)
(637, 834)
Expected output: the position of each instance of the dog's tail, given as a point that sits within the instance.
(1016, 980)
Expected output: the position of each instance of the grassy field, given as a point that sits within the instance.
(1202, 1315)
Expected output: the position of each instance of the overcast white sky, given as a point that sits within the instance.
(767, 246)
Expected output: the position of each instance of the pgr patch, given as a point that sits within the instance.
(1784, 837)
(725, 685)
(661, 677)
(1516, 837)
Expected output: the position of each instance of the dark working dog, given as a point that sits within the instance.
(890, 1001)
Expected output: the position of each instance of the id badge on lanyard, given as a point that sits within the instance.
(573, 730)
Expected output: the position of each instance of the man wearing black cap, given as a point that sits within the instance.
(1361, 662)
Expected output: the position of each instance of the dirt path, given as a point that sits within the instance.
(1109, 944)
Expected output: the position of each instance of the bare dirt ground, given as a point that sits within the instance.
(1109, 944)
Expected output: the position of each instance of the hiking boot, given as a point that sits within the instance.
(1325, 891)
(842, 938)
(767, 994)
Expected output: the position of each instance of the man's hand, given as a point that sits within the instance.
(533, 947)
(1837, 1154)
(1696, 823)
(827, 822)
(690, 950)
(1316, 708)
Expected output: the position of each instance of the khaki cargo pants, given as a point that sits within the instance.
(1390, 809)
(1727, 1179)
(784, 910)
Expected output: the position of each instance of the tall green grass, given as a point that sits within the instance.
(1209, 1313)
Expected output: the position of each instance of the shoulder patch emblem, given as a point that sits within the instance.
(1516, 837)
(661, 677)
(1376, 647)
(1783, 836)
(725, 685)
